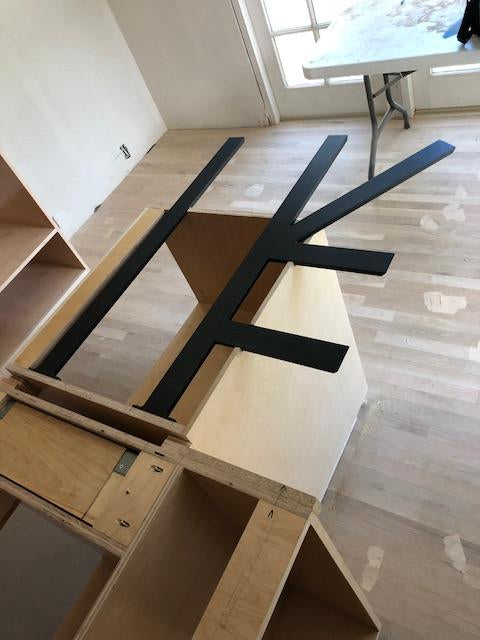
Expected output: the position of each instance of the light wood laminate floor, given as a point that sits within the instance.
(404, 505)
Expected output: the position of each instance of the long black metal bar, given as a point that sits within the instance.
(393, 105)
(372, 189)
(121, 279)
(373, 263)
(280, 241)
(283, 346)
(166, 394)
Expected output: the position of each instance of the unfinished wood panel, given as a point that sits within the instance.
(30, 298)
(284, 421)
(84, 603)
(77, 300)
(209, 247)
(252, 582)
(29, 237)
(321, 598)
(300, 616)
(121, 506)
(99, 428)
(338, 589)
(162, 588)
(57, 252)
(8, 504)
(123, 417)
(19, 244)
(62, 518)
(55, 460)
(245, 482)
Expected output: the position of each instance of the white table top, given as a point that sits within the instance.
(384, 36)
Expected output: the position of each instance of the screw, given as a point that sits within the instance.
(156, 468)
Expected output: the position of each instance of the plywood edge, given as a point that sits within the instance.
(248, 482)
(98, 428)
(176, 344)
(135, 421)
(76, 300)
(62, 518)
(232, 212)
(249, 589)
(6, 386)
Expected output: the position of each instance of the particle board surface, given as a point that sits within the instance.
(61, 463)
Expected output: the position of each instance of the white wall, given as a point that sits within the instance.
(71, 94)
(194, 61)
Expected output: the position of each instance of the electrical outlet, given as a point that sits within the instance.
(125, 151)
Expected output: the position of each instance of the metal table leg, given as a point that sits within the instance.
(389, 80)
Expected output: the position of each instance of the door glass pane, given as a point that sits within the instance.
(287, 14)
(326, 10)
(293, 51)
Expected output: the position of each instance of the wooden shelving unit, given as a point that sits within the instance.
(208, 524)
(37, 265)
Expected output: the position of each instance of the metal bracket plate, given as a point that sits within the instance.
(125, 463)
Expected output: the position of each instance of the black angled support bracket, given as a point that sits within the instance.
(281, 241)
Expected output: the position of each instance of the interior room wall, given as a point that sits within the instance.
(71, 95)
(194, 61)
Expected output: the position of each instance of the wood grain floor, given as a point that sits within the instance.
(404, 505)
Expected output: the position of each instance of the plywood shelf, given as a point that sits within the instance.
(29, 299)
(19, 244)
(37, 265)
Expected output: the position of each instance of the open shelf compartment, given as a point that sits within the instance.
(166, 583)
(216, 562)
(34, 294)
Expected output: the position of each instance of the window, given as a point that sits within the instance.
(463, 68)
(295, 26)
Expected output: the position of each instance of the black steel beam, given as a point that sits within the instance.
(372, 189)
(373, 263)
(281, 241)
(168, 391)
(309, 352)
(278, 241)
(126, 273)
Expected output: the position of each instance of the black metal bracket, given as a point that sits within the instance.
(281, 241)
(389, 81)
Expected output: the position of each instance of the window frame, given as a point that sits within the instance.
(314, 27)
